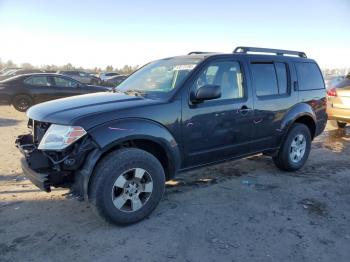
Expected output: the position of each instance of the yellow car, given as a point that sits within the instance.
(338, 102)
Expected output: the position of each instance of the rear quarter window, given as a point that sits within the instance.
(309, 76)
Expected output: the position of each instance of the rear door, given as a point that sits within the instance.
(64, 87)
(273, 97)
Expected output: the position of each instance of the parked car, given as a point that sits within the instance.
(338, 106)
(107, 75)
(331, 81)
(116, 150)
(116, 80)
(17, 72)
(82, 77)
(26, 90)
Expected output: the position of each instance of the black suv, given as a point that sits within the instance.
(117, 149)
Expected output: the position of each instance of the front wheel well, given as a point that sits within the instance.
(151, 147)
(309, 122)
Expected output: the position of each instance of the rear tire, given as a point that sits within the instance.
(341, 124)
(22, 102)
(295, 148)
(126, 186)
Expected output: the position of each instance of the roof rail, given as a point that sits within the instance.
(198, 53)
(246, 49)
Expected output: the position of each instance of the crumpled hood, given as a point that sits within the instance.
(85, 110)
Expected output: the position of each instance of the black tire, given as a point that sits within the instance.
(283, 158)
(108, 171)
(341, 124)
(22, 102)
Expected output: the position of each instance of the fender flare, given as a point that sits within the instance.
(297, 111)
(114, 133)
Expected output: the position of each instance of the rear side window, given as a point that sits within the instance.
(64, 82)
(309, 76)
(270, 78)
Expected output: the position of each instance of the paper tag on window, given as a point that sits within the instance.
(184, 67)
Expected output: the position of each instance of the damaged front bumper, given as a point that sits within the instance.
(33, 160)
(55, 169)
(38, 179)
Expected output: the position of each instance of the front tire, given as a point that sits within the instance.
(341, 124)
(126, 186)
(22, 102)
(295, 148)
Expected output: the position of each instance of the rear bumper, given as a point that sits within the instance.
(39, 180)
(338, 114)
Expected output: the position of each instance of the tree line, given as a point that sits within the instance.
(125, 70)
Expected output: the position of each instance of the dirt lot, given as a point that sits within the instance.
(245, 210)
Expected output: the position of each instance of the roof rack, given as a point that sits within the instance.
(198, 53)
(246, 49)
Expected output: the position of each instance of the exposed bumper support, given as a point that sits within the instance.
(40, 180)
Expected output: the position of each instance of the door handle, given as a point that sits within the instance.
(244, 110)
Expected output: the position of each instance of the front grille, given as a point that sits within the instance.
(38, 129)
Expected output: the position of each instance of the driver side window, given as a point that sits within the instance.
(226, 74)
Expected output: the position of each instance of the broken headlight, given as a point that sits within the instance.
(58, 137)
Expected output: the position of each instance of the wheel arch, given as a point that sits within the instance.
(22, 94)
(301, 113)
(138, 133)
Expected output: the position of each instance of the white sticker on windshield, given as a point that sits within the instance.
(184, 67)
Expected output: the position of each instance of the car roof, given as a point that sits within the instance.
(39, 74)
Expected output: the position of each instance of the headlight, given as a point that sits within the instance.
(58, 137)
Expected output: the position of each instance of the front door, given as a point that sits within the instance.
(217, 129)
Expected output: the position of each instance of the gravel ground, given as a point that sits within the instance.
(245, 210)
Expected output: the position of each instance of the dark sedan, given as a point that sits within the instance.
(26, 90)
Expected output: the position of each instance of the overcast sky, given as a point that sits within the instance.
(101, 33)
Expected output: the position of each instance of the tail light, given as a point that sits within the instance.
(332, 92)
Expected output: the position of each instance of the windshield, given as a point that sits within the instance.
(161, 76)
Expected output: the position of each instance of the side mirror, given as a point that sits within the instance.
(207, 92)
